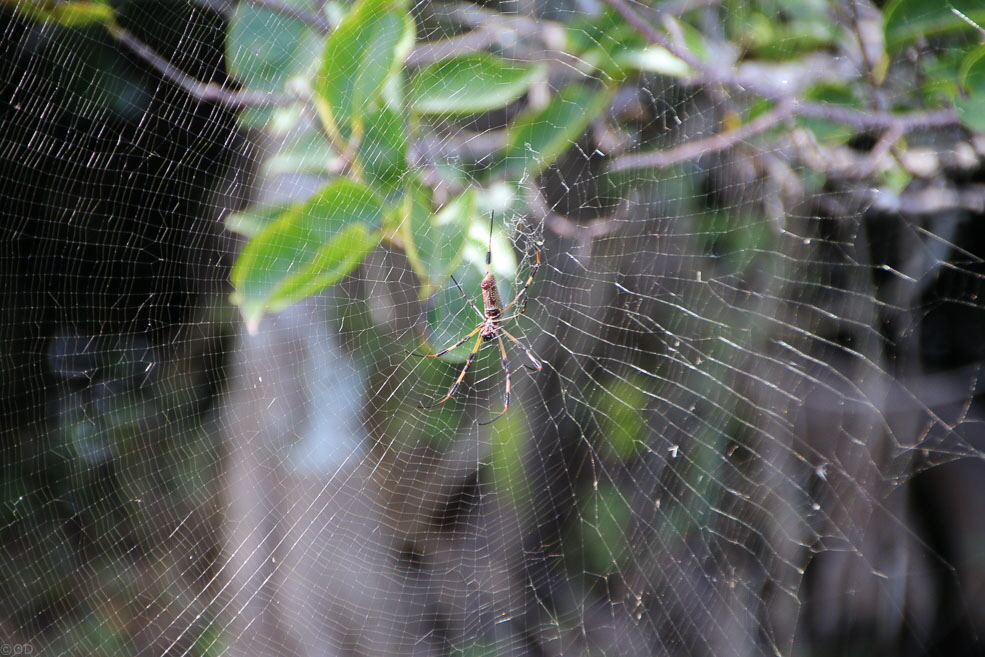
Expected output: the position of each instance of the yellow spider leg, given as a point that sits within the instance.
(506, 368)
(523, 290)
(526, 349)
(461, 376)
(447, 349)
(466, 297)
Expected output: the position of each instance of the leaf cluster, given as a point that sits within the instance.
(379, 109)
(391, 108)
(395, 112)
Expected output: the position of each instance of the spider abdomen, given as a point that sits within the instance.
(491, 301)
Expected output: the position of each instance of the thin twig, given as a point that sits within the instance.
(642, 26)
(204, 91)
(211, 92)
(695, 149)
(472, 16)
(469, 42)
(886, 143)
(489, 28)
(472, 41)
(875, 120)
(562, 226)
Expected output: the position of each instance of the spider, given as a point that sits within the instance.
(491, 327)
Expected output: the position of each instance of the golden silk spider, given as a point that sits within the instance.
(491, 327)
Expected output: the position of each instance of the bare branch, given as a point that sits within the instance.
(469, 42)
(643, 27)
(488, 28)
(204, 91)
(473, 41)
(562, 226)
(871, 119)
(211, 92)
(695, 149)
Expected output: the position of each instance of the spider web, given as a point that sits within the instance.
(756, 429)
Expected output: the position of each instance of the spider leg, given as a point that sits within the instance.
(492, 215)
(526, 350)
(461, 376)
(506, 368)
(466, 297)
(447, 349)
(513, 316)
(523, 290)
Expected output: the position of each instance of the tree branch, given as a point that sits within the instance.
(204, 91)
(695, 149)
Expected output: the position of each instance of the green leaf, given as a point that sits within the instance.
(308, 247)
(695, 41)
(470, 84)
(383, 149)
(439, 241)
(307, 151)
(605, 514)
(536, 140)
(265, 48)
(907, 20)
(507, 456)
(939, 75)
(434, 244)
(253, 219)
(613, 47)
(262, 46)
(779, 31)
(82, 14)
(607, 31)
(971, 106)
(336, 258)
(605, 42)
(414, 220)
(367, 48)
(654, 59)
(622, 425)
(73, 15)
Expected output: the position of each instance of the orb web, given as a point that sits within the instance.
(756, 428)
